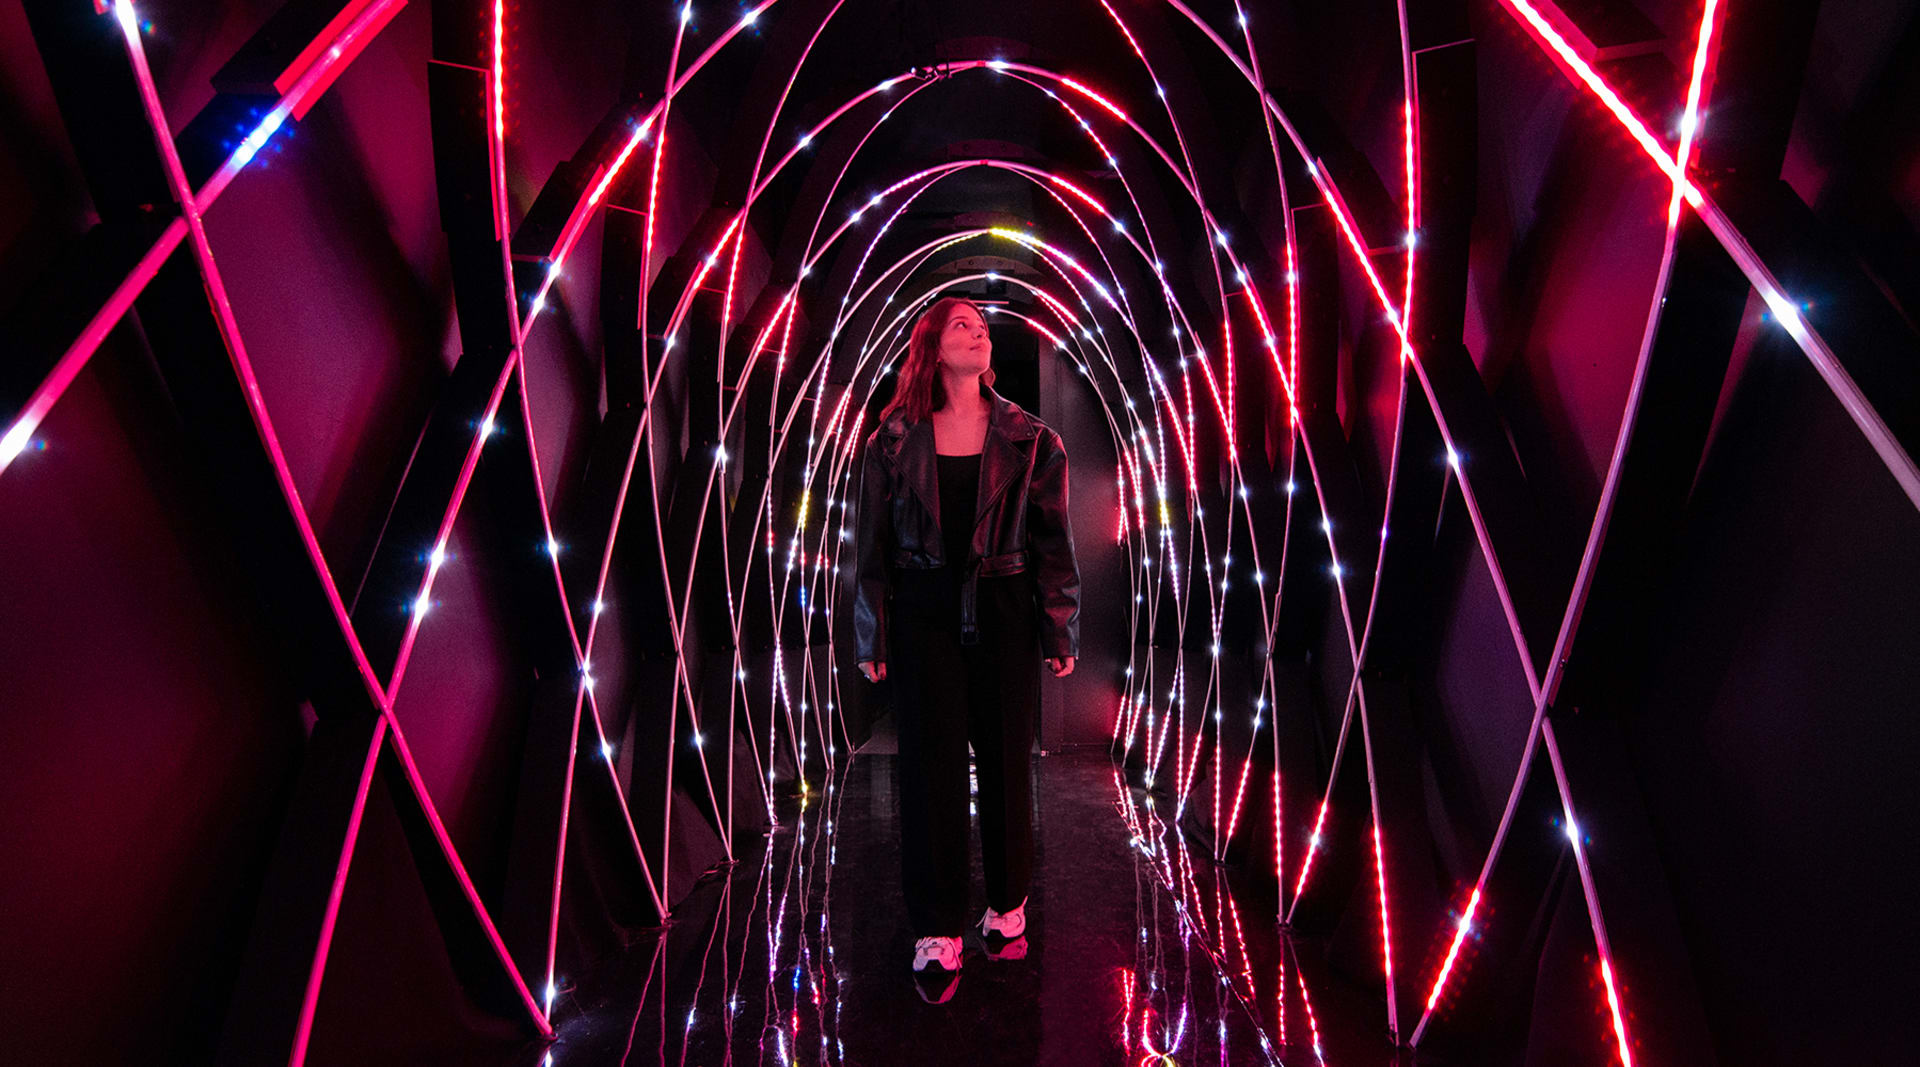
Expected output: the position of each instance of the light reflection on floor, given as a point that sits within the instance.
(1140, 954)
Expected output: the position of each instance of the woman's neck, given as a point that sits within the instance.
(963, 396)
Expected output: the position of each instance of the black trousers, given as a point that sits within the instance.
(946, 695)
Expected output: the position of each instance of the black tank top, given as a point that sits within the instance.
(959, 494)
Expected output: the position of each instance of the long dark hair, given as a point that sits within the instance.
(921, 391)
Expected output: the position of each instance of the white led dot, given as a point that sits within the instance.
(16, 440)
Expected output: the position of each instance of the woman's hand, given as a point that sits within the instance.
(1061, 666)
(875, 670)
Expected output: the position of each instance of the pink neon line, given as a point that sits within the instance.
(391, 690)
(786, 340)
(546, 513)
(1690, 119)
(1230, 415)
(1613, 1005)
(1280, 994)
(613, 169)
(653, 210)
(1293, 333)
(1279, 850)
(1085, 196)
(626, 813)
(1453, 951)
(1306, 1001)
(498, 96)
(1193, 765)
(560, 837)
(1588, 890)
(760, 340)
(726, 304)
(1090, 94)
(1413, 225)
(92, 336)
(1313, 846)
(451, 855)
(786, 91)
(330, 916)
(1219, 764)
(1340, 214)
(1386, 927)
(1240, 939)
(1239, 792)
(1289, 375)
(1266, 334)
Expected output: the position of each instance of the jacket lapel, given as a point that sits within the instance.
(917, 467)
(1003, 456)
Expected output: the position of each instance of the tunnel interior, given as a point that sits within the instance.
(430, 433)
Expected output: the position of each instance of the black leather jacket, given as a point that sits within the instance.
(1019, 523)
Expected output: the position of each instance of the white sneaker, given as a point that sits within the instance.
(1009, 925)
(943, 953)
(936, 968)
(1004, 934)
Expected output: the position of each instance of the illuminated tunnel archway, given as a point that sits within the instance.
(1418, 384)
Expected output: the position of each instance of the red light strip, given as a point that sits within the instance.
(1613, 1005)
(1313, 846)
(1690, 118)
(1461, 929)
(1601, 942)
(1313, 1023)
(497, 95)
(1110, 106)
(330, 918)
(1386, 925)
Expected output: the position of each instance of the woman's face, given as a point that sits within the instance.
(964, 345)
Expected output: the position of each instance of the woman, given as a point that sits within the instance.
(966, 574)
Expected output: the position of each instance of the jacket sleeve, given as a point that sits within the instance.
(1050, 546)
(872, 566)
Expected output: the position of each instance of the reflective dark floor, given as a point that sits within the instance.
(1137, 954)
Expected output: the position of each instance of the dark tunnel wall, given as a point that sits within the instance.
(1733, 720)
